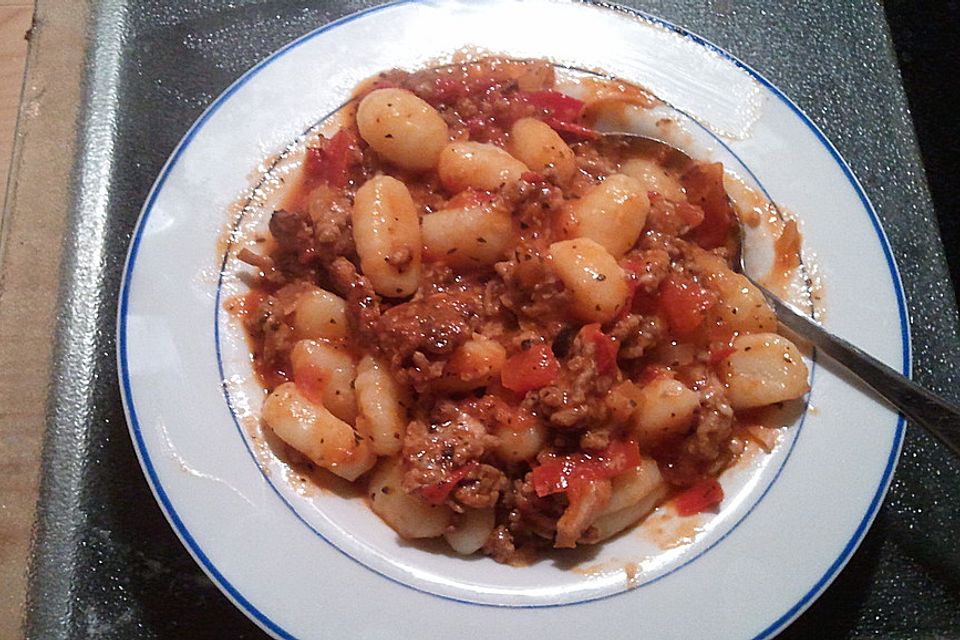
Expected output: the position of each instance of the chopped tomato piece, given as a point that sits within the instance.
(560, 111)
(556, 104)
(704, 186)
(530, 369)
(437, 493)
(556, 476)
(605, 347)
(637, 301)
(532, 177)
(560, 473)
(704, 495)
(565, 126)
(485, 128)
(330, 164)
(684, 303)
(719, 352)
(447, 90)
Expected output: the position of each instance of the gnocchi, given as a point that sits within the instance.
(476, 165)
(634, 494)
(314, 431)
(595, 280)
(540, 148)
(653, 177)
(320, 314)
(611, 213)
(741, 307)
(665, 409)
(764, 369)
(402, 128)
(472, 530)
(386, 230)
(382, 406)
(521, 438)
(473, 365)
(328, 370)
(469, 236)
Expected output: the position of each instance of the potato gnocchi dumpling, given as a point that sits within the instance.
(477, 165)
(402, 128)
(515, 334)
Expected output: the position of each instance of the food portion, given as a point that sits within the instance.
(517, 334)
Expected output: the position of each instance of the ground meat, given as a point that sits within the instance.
(274, 339)
(595, 439)
(528, 515)
(648, 268)
(592, 162)
(475, 101)
(532, 200)
(714, 424)
(672, 218)
(500, 547)
(296, 243)
(636, 333)
(334, 239)
(576, 399)
(415, 334)
(481, 488)
(363, 304)
(533, 292)
(448, 440)
(651, 239)
(490, 410)
(706, 450)
(333, 228)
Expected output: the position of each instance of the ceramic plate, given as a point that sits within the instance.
(307, 562)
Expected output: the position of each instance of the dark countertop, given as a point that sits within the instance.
(926, 37)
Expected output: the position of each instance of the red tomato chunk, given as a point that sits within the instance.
(531, 369)
(559, 474)
(605, 347)
(684, 303)
(704, 495)
(330, 164)
(437, 493)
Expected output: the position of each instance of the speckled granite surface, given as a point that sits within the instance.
(107, 565)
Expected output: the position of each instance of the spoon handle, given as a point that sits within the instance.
(930, 411)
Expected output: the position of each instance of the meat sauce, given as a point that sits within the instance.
(502, 397)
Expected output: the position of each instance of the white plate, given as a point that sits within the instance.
(312, 564)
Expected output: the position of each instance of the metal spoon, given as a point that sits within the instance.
(933, 413)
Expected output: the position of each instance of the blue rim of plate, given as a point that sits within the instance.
(264, 621)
